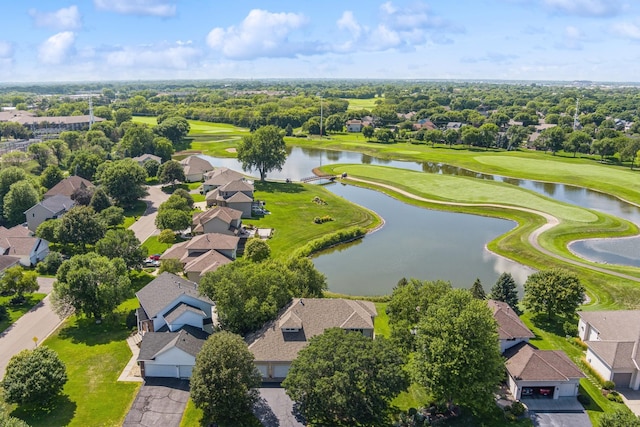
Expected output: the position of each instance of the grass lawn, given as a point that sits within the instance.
(131, 215)
(16, 311)
(155, 247)
(362, 104)
(293, 210)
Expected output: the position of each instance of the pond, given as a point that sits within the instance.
(458, 256)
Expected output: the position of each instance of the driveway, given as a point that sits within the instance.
(145, 226)
(561, 412)
(275, 408)
(160, 402)
(631, 399)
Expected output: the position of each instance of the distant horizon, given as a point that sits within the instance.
(53, 41)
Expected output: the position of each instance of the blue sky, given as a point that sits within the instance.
(58, 40)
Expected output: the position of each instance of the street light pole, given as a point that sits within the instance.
(320, 116)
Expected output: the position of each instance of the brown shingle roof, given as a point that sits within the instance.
(527, 363)
(313, 315)
(214, 241)
(67, 186)
(221, 176)
(225, 214)
(237, 185)
(509, 324)
(195, 164)
(209, 261)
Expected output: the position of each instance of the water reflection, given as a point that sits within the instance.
(301, 160)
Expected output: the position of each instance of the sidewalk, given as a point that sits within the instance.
(131, 372)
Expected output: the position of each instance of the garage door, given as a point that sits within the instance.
(280, 371)
(568, 390)
(151, 370)
(622, 380)
(185, 371)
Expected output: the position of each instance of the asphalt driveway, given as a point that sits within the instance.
(160, 402)
(275, 408)
(562, 412)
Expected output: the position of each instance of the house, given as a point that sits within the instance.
(18, 243)
(612, 339)
(68, 186)
(174, 320)
(221, 220)
(195, 167)
(511, 329)
(191, 249)
(541, 373)
(50, 208)
(236, 195)
(219, 177)
(277, 344)
(47, 127)
(425, 124)
(454, 125)
(354, 125)
(144, 157)
(532, 372)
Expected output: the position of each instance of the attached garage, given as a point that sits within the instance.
(568, 390)
(622, 380)
(169, 354)
(263, 369)
(153, 370)
(185, 371)
(280, 371)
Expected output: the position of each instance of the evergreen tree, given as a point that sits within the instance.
(477, 290)
(506, 290)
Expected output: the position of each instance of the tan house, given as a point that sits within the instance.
(219, 177)
(209, 261)
(221, 220)
(613, 345)
(68, 186)
(354, 125)
(50, 208)
(195, 167)
(144, 157)
(531, 372)
(277, 344)
(236, 195)
(17, 243)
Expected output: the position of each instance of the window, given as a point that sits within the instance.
(290, 329)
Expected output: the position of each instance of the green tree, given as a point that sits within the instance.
(21, 196)
(257, 250)
(84, 163)
(162, 148)
(224, 381)
(48, 230)
(8, 177)
(173, 128)
(151, 166)
(554, 138)
(73, 139)
(137, 140)
(384, 136)
(112, 216)
(288, 131)
(181, 192)
(171, 171)
(171, 266)
(248, 294)
(34, 377)
(42, 154)
(555, 291)
(51, 176)
(471, 135)
(477, 291)
(334, 123)
(100, 200)
(578, 141)
(91, 285)
(124, 180)
(506, 290)
(264, 150)
(122, 115)
(173, 219)
(343, 378)
(516, 135)
(367, 132)
(167, 236)
(621, 417)
(488, 134)
(59, 149)
(409, 301)
(122, 243)
(177, 201)
(451, 136)
(16, 281)
(80, 226)
(458, 358)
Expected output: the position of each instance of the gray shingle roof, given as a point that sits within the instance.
(179, 310)
(312, 316)
(57, 203)
(527, 363)
(67, 186)
(509, 324)
(608, 324)
(164, 289)
(195, 164)
(616, 354)
(187, 339)
(213, 241)
(222, 176)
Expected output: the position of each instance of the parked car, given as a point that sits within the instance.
(155, 257)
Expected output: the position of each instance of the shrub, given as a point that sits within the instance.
(570, 329)
(322, 220)
(584, 399)
(517, 409)
(329, 240)
(609, 385)
(4, 314)
(50, 263)
(614, 396)
(167, 236)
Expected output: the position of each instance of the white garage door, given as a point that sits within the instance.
(263, 370)
(280, 371)
(568, 390)
(185, 371)
(151, 370)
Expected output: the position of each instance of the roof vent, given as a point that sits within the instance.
(301, 302)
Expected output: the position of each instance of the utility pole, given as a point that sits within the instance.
(91, 118)
(575, 116)
(320, 116)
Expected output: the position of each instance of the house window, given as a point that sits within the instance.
(356, 330)
(290, 329)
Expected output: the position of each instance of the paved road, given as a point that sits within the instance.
(145, 227)
(40, 322)
(160, 402)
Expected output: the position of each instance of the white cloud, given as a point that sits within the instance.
(571, 39)
(585, 7)
(56, 48)
(262, 34)
(626, 30)
(138, 7)
(62, 19)
(177, 56)
(348, 22)
(6, 49)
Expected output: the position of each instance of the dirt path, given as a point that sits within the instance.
(552, 221)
